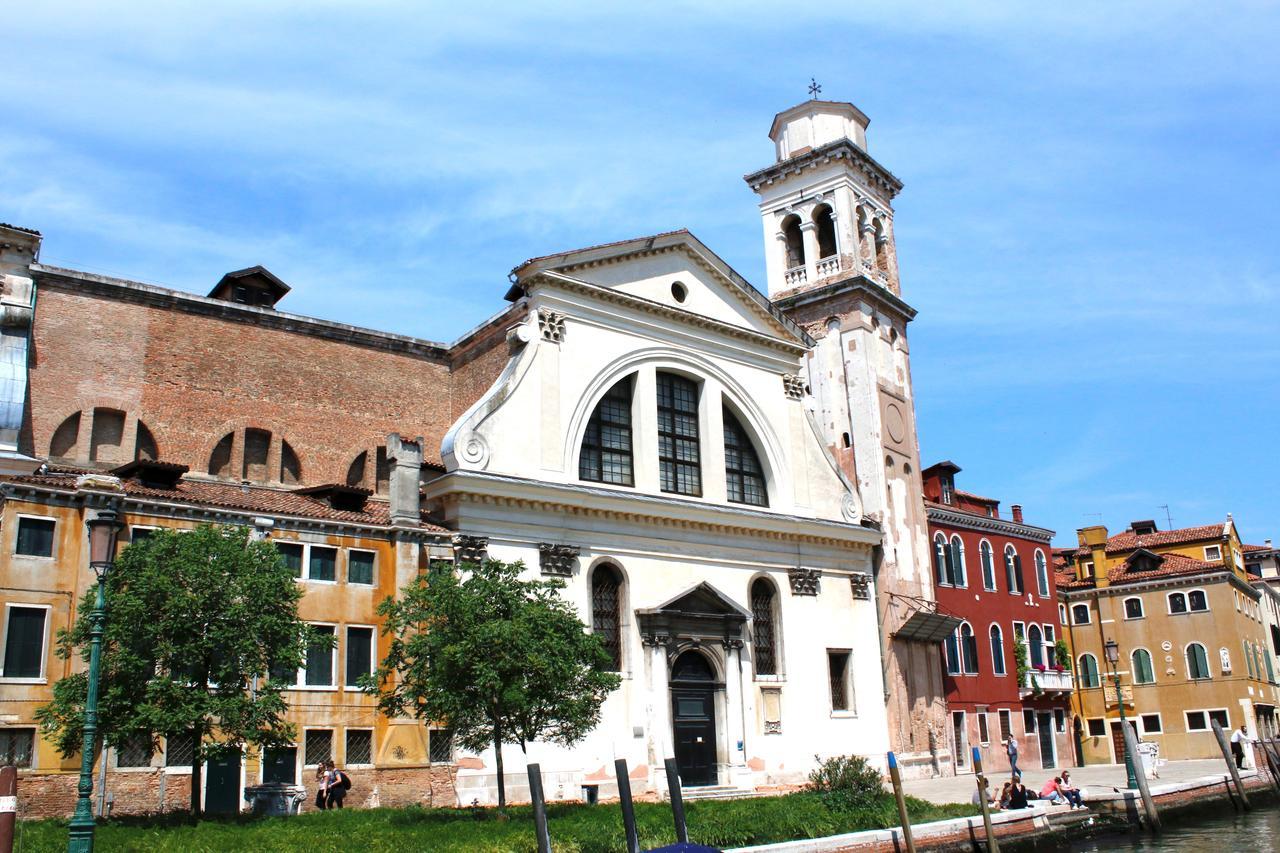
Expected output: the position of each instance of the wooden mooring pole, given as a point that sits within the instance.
(1231, 764)
(628, 808)
(1272, 764)
(992, 845)
(677, 801)
(1140, 773)
(8, 806)
(895, 776)
(539, 809)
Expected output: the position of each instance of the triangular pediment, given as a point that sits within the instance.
(676, 271)
(703, 599)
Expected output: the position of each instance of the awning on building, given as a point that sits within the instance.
(927, 627)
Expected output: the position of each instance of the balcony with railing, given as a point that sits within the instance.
(795, 276)
(828, 266)
(1049, 681)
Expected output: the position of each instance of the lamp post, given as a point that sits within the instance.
(1113, 657)
(103, 529)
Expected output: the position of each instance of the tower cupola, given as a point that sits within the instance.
(813, 124)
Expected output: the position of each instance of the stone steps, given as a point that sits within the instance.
(716, 792)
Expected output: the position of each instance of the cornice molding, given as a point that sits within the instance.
(877, 176)
(858, 285)
(1164, 582)
(484, 488)
(982, 524)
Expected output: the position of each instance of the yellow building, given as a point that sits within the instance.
(1191, 635)
(349, 553)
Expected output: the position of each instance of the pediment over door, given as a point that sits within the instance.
(699, 615)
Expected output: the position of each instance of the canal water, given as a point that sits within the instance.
(1227, 832)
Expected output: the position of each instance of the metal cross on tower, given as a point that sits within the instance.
(814, 88)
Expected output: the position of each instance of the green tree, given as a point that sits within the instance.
(196, 623)
(495, 658)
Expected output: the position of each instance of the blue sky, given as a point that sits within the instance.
(1088, 227)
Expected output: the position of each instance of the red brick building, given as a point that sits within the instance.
(995, 575)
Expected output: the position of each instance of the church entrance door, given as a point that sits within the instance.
(693, 719)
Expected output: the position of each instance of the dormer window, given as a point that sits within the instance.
(948, 486)
(679, 464)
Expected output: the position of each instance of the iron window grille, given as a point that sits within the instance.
(440, 746)
(605, 615)
(838, 668)
(319, 747)
(763, 643)
(136, 751)
(179, 749)
(17, 746)
(359, 746)
(606, 455)
(678, 448)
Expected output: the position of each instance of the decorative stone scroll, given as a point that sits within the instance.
(558, 560)
(793, 385)
(551, 324)
(804, 581)
(470, 549)
(860, 583)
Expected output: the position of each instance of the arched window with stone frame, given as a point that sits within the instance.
(825, 225)
(743, 473)
(606, 452)
(765, 626)
(606, 611)
(987, 559)
(793, 241)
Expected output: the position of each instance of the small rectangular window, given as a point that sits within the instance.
(1028, 721)
(179, 749)
(1097, 728)
(136, 751)
(323, 564)
(24, 637)
(17, 746)
(440, 746)
(1059, 720)
(1133, 608)
(359, 654)
(1212, 553)
(319, 747)
(1196, 721)
(984, 734)
(360, 567)
(35, 537)
(1221, 717)
(359, 746)
(1151, 724)
(140, 534)
(292, 554)
(838, 669)
(319, 671)
(1006, 727)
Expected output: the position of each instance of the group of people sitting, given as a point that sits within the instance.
(1015, 795)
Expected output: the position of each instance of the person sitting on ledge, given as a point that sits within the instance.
(1071, 792)
(1052, 791)
(1017, 793)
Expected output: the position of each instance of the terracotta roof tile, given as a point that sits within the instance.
(1171, 566)
(263, 499)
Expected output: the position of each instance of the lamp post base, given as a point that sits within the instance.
(80, 838)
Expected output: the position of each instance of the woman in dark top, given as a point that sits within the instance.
(1017, 794)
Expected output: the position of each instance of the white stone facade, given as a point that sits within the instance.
(643, 310)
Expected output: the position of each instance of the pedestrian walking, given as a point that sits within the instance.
(337, 783)
(1011, 747)
(1239, 738)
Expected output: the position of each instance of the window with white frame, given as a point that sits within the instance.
(1059, 720)
(1013, 569)
(26, 634)
(35, 536)
(1212, 553)
(1042, 574)
(961, 576)
(359, 747)
(679, 456)
(360, 653)
(840, 673)
(1201, 721)
(360, 566)
(1080, 614)
(1143, 673)
(1062, 614)
(1177, 603)
(987, 558)
(951, 652)
(1133, 608)
(1050, 646)
(1028, 721)
(1197, 662)
(179, 749)
(292, 553)
(968, 649)
(320, 664)
(17, 746)
(1006, 725)
(1097, 727)
(1087, 666)
(1020, 632)
(136, 751)
(322, 563)
(984, 733)
(1151, 724)
(318, 747)
(1197, 601)
(997, 650)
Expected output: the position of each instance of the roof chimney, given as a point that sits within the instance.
(1017, 513)
(405, 459)
(1267, 542)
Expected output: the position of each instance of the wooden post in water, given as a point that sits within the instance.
(677, 801)
(1272, 767)
(1140, 773)
(895, 776)
(1231, 764)
(992, 845)
(628, 808)
(539, 809)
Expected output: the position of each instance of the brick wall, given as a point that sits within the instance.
(193, 378)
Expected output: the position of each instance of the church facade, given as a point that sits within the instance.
(726, 482)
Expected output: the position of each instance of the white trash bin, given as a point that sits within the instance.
(1150, 754)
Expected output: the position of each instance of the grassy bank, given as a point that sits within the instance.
(574, 828)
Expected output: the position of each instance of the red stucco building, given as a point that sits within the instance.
(995, 575)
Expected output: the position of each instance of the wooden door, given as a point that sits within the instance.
(1044, 726)
(222, 794)
(693, 715)
(1117, 740)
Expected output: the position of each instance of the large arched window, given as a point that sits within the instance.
(678, 456)
(257, 457)
(826, 226)
(1042, 574)
(764, 626)
(969, 649)
(1143, 673)
(1013, 569)
(606, 611)
(744, 477)
(941, 571)
(951, 652)
(1197, 662)
(988, 565)
(959, 576)
(997, 650)
(109, 443)
(1035, 645)
(606, 445)
(1088, 671)
(794, 241)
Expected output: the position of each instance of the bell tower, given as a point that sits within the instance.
(827, 211)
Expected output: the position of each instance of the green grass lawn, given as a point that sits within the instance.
(574, 828)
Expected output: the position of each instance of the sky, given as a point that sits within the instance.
(1088, 227)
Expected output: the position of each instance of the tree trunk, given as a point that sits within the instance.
(497, 752)
(196, 767)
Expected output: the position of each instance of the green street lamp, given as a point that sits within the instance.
(103, 529)
(1112, 649)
